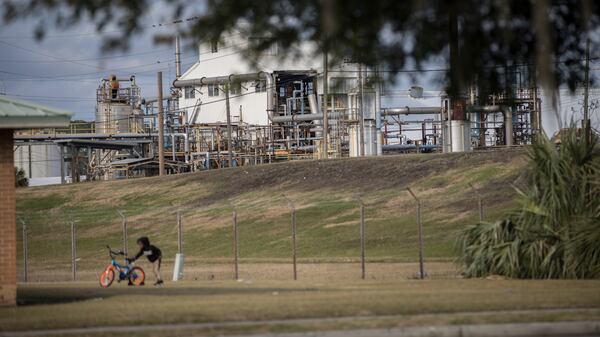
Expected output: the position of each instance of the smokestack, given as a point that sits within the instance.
(177, 58)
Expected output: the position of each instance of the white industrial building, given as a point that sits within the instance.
(286, 82)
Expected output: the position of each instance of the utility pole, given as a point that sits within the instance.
(586, 96)
(325, 114)
(361, 116)
(161, 129)
(229, 147)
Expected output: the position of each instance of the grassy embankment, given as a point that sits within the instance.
(324, 193)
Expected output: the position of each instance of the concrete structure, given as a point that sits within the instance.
(16, 115)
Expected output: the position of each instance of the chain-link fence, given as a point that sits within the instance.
(398, 237)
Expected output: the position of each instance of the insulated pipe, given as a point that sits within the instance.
(305, 117)
(411, 111)
(270, 93)
(315, 109)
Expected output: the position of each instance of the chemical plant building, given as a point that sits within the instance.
(226, 110)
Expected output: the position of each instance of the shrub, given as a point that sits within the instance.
(21, 179)
(556, 231)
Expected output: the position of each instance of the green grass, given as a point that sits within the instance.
(324, 194)
(61, 305)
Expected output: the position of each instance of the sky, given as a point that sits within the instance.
(65, 69)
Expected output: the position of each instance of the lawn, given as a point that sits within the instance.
(62, 305)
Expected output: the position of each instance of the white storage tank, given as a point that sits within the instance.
(370, 138)
(461, 135)
(115, 118)
(45, 160)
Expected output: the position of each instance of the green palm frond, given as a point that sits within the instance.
(556, 231)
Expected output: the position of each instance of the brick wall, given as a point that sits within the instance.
(8, 231)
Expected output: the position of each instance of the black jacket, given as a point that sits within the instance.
(150, 251)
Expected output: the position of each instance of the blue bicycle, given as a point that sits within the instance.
(134, 275)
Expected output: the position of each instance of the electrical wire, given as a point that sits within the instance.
(82, 75)
(92, 58)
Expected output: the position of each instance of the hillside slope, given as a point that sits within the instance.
(324, 193)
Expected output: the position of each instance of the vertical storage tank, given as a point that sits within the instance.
(114, 118)
(117, 106)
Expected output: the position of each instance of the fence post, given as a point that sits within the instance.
(362, 240)
(479, 201)
(293, 223)
(25, 252)
(73, 251)
(179, 234)
(421, 266)
(124, 222)
(235, 245)
(179, 257)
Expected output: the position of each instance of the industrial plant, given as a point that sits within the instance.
(233, 112)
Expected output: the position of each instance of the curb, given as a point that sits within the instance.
(546, 329)
(554, 329)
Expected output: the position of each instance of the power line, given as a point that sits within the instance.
(70, 35)
(91, 58)
(31, 77)
(46, 55)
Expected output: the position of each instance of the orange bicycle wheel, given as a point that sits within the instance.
(107, 277)
(137, 276)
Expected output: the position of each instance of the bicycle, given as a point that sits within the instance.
(134, 275)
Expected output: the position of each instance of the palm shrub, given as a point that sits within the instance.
(555, 233)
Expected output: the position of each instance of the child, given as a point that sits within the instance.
(153, 254)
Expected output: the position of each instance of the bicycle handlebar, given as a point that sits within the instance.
(114, 252)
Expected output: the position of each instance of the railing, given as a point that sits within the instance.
(73, 128)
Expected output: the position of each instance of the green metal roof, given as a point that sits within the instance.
(17, 114)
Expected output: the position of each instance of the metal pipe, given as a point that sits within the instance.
(177, 58)
(161, 129)
(508, 127)
(506, 112)
(411, 111)
(379, 150)
(229, 140)
(361, 117)
(325, 111)
(315, 109)
(303, 118)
